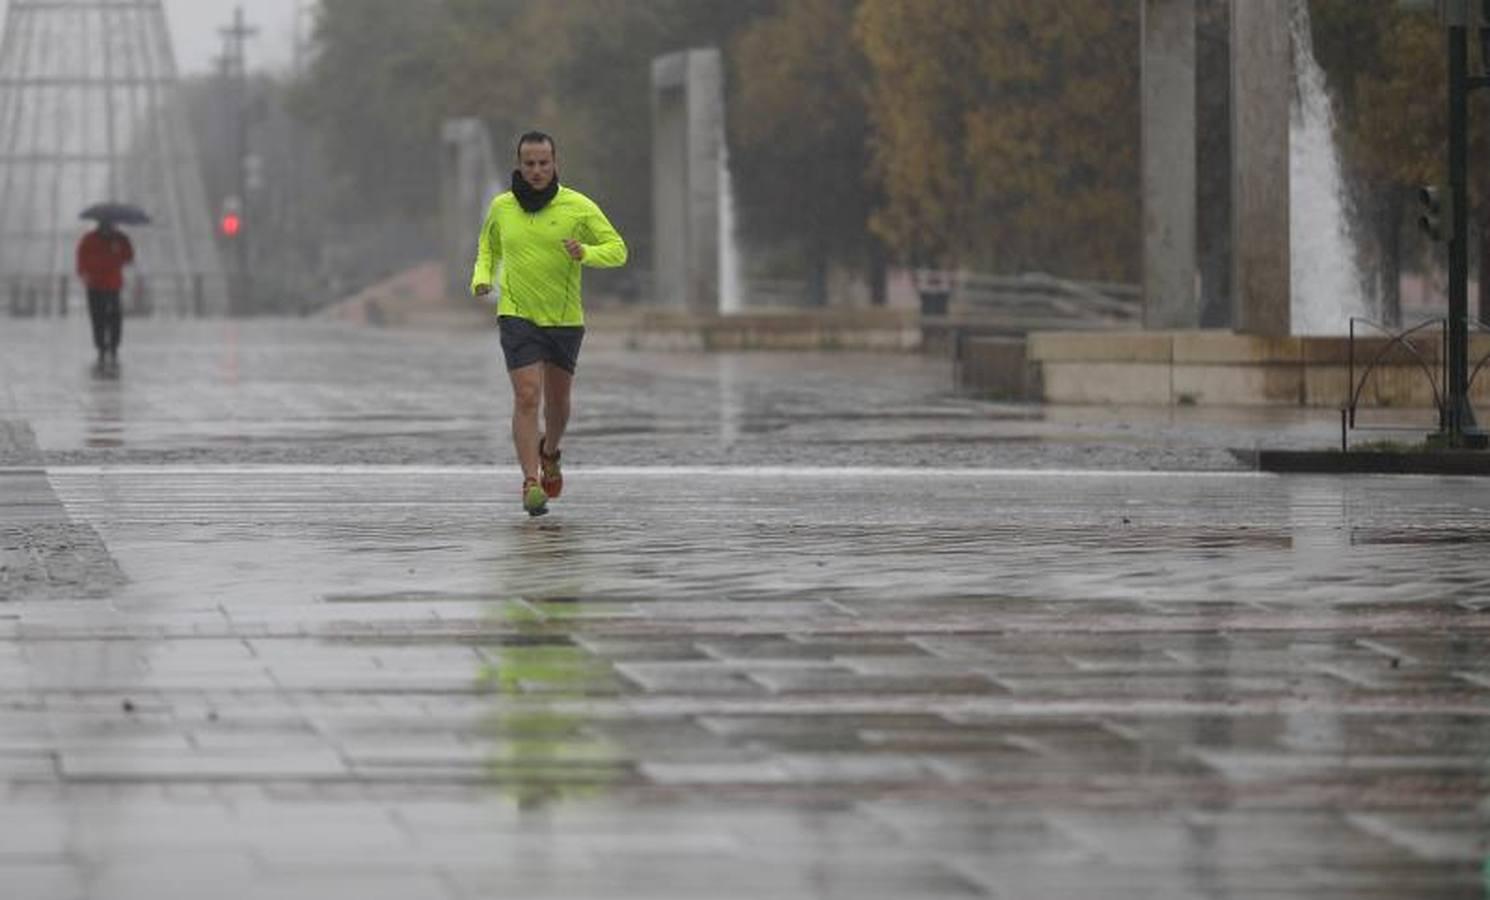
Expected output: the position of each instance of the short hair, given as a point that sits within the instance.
(537, 137)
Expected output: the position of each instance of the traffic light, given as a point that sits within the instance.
(230, 221)
(1436, 216)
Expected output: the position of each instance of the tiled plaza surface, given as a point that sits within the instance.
(272, 625)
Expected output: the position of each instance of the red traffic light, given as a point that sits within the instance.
(230, 224)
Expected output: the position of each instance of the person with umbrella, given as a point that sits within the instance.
(102, 255)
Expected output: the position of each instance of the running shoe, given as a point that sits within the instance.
(553, 477)
(535, 501)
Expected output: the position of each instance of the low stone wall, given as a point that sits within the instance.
(1216, 368)
(827, 329)
(997, 368)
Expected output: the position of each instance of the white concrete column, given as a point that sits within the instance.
(469, 179)
(1262, 87)
(1169, 187)
(687, 136)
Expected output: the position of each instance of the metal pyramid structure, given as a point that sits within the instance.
(90, 111)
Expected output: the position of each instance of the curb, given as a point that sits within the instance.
(1365, 462)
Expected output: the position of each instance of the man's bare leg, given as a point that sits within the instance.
(527, 394)
(557, 385)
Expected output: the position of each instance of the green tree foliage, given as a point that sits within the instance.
(369, 91)
(1388, 71)
(1000, 135)
(1007, 133)
(799, 129)
(600, 89)
(388, 71)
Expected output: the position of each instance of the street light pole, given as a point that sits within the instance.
(1460, 414)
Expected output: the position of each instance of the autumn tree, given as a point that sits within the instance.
(387, 72)
(1006, 134)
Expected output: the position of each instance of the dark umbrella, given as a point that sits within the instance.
(120, 213)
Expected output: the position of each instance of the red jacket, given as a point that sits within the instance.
(102, 258)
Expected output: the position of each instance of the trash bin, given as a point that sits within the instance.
(934, 303)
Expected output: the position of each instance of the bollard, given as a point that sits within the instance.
(141, 297)
(64, 284)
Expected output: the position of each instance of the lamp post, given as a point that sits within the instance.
(1459, 428)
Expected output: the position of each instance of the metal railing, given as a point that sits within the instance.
(1036, 295)
(37, 296)
(169, 294)
(1475, 325)
(1438, 382)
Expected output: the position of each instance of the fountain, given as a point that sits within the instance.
(1327, 283)
(1296, 273)
(731, 288)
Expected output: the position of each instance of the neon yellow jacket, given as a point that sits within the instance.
(539, 280)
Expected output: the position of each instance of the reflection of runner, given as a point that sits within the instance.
(541, 752)
(541, 234)
(102, 255)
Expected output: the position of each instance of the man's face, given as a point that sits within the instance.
(536, 161)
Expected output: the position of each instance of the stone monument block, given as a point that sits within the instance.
(1169, 165)
(687, 156)
(469, 179)
(1262, 94)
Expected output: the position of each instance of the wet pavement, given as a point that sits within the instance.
(272, 625)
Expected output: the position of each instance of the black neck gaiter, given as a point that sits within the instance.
(530, 200)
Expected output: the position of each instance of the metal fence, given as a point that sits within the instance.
(1036, 296)
(166, 295)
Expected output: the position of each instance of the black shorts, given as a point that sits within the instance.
(524, 343)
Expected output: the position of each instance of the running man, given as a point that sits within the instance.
(541, 234)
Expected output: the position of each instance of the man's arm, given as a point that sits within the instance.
(488, 254)
(129, 251)
(605, 249)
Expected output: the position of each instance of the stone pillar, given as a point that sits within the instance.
(1262, 85)
(1169, 186)
(1213, 161)
(469, 178)
(687, 142)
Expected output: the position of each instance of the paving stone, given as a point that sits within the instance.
(197, 766)
(690, 678)
(848, 681)
(42, 879)
(671, 877)
(1449, 838)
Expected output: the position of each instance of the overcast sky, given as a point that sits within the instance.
(195, 24)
